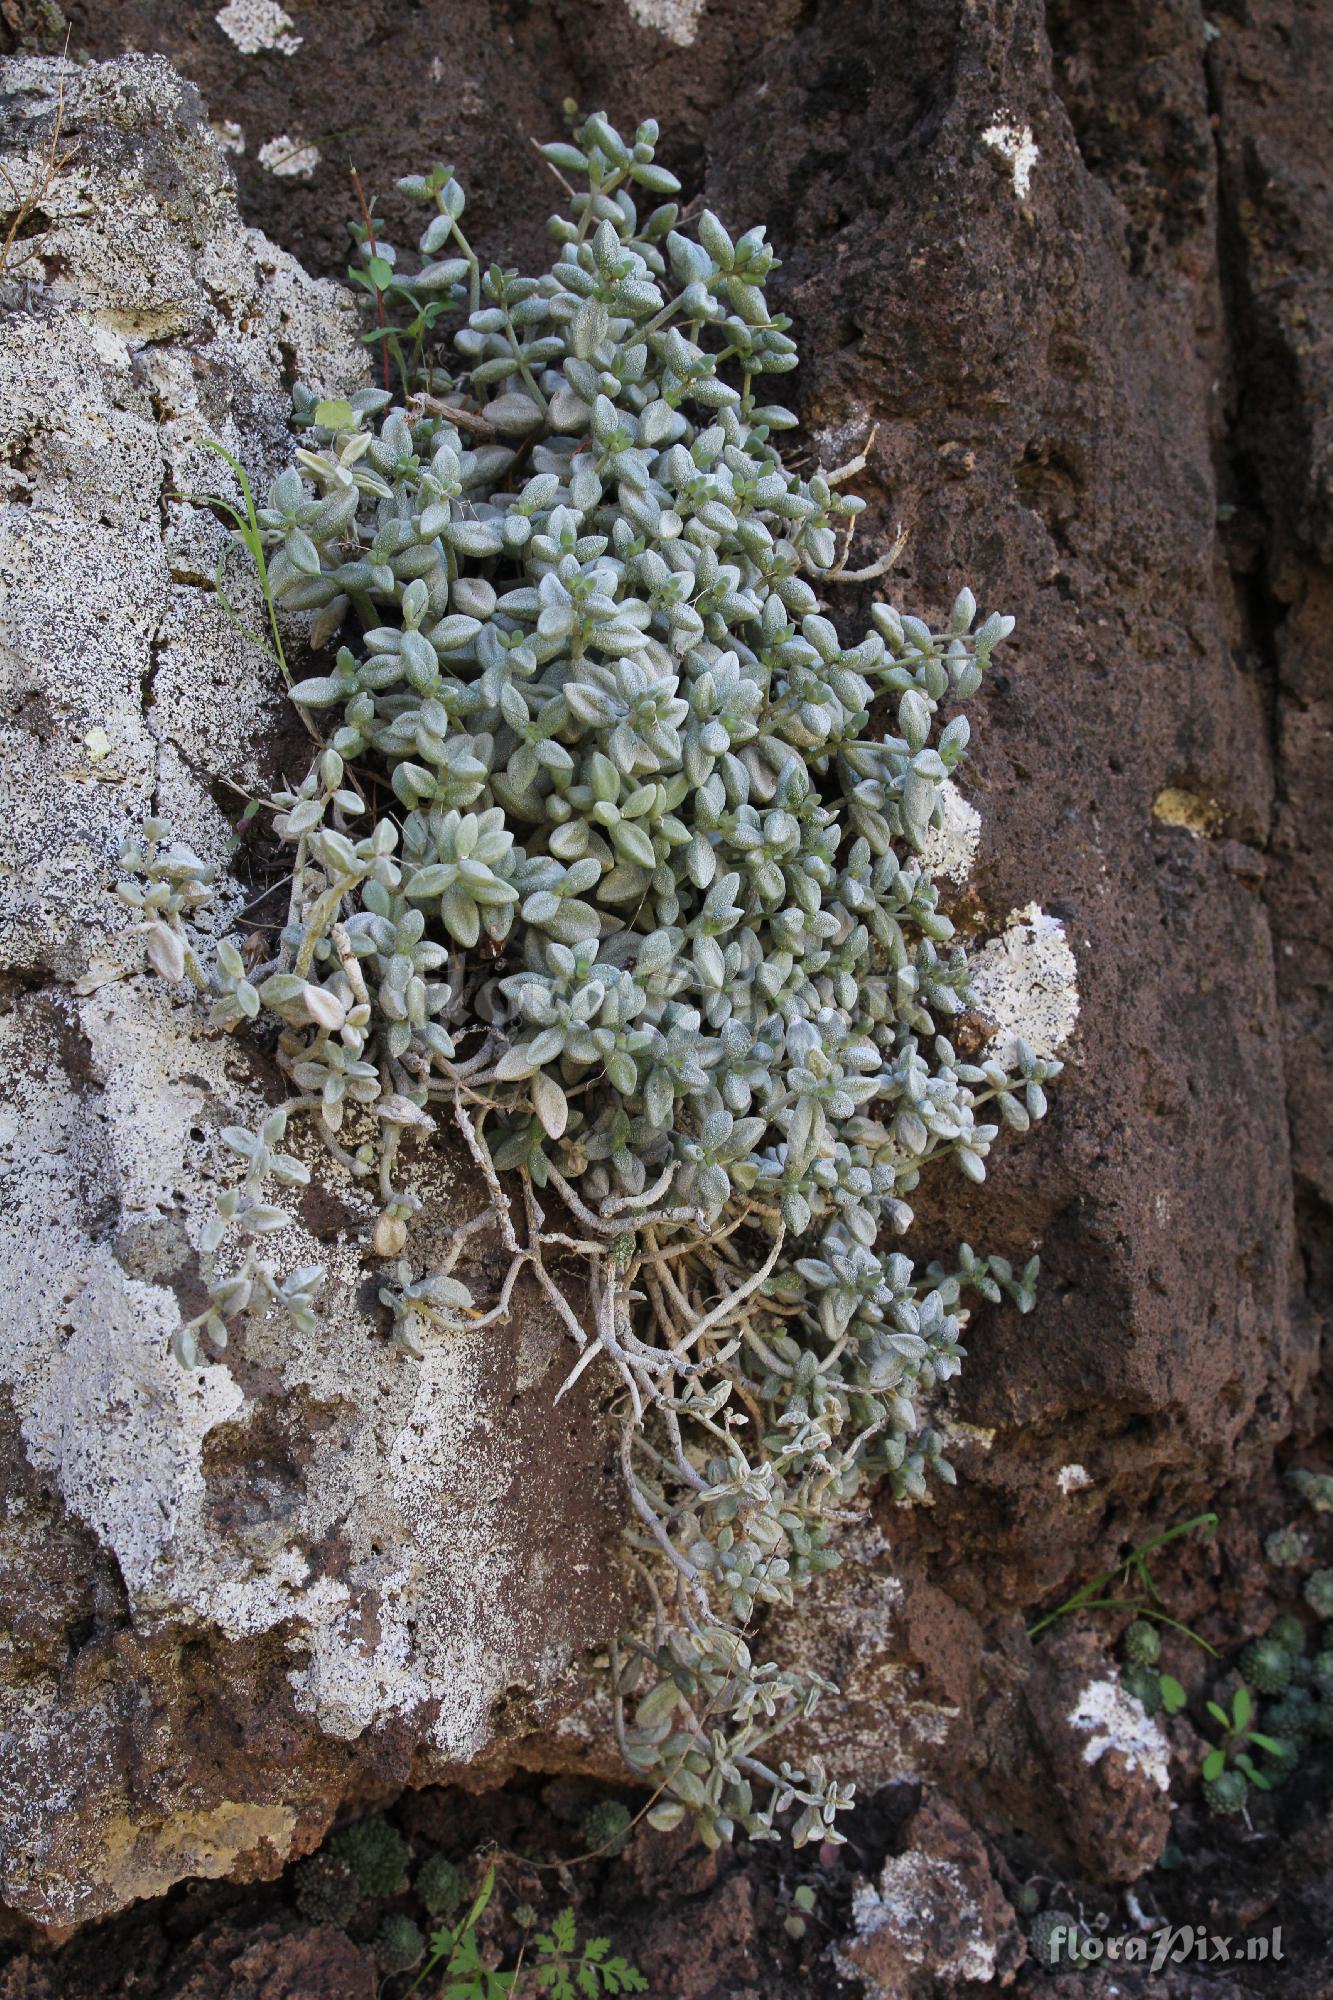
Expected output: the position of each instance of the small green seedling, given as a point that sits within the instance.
(804, 1901)
(1239, 1735)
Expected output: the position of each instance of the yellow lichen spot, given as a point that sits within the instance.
(1195, 811)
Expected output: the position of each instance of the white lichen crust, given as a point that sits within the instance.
(1015, 145)
(377, 1522)
(676, 20)
(257, 26)
(1116, 1721)
(1025, 982)
(289, 159)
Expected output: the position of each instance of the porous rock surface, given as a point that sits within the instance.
(230, 1594)
(936, 1917)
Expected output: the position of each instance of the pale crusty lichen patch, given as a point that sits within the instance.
(951, 847)
(676, 20)
(257, 26)
(912, 1892)
(383, 1555)
(289, 159)
(1115, 1720)
(1015, 145)
(1025, 981)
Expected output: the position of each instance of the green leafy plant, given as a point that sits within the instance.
(245, 527)
(1296, 1708)
(563, 1968)
(1233, 1752)
(559, 1966)
(641, 909)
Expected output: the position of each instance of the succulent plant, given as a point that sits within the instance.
(376, 1853)
(325, 1890)
(1293, 1709)
(1227, 1793)
(399, 1944)
(1286, 1548)
(1145, 1684)
(605, 1828)
(1053, 1938)
(440, 1886)
(642, 907)
(1315, 1488)
(1142, 1645)
(1266, 1665)
(1288, 1631)
(1318, 1593)
(1283, 1759)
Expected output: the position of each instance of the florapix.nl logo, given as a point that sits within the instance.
(1171, 1944)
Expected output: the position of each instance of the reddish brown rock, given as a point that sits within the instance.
(1105, 401)
(717, 1954)
(1099, 1768)
(936, 1921)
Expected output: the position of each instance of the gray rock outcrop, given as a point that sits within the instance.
(232, 1595)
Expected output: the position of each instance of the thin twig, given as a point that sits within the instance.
(55, 162)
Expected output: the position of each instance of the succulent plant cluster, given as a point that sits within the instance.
(1294, 1685)
(613, 856)
(424, 1913)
